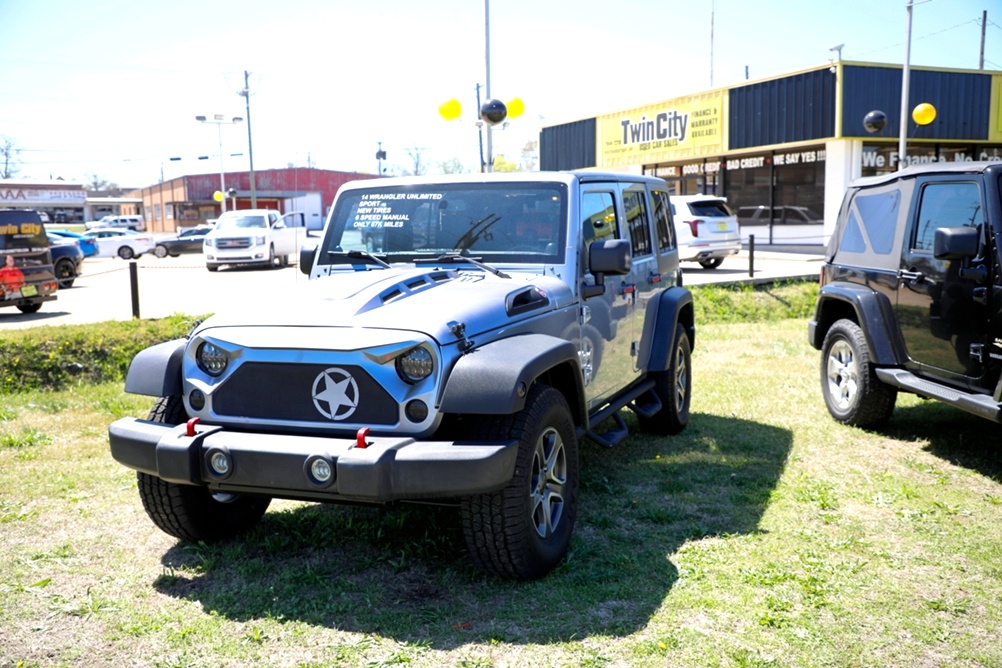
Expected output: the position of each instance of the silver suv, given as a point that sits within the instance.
(707, 229)
(502, 318)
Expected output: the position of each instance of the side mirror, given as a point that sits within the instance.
(955, 243)
(306, 256)
(606, 257)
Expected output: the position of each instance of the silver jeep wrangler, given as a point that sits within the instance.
(458, 358)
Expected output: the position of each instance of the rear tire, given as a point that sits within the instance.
(192, 512)
(674, 388)
(126, 253)
(853, 393)
(523, 531)
(65, 273)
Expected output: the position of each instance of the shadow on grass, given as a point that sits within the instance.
(955, 436)
(404, 572)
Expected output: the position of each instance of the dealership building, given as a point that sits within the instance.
(788, 146)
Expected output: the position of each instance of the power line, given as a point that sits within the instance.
(932, 34)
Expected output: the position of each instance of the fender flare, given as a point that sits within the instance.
(488, 379)
(873, 312)
(156, 371)
(673, 307)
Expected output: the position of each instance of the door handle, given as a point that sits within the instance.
(912, 276)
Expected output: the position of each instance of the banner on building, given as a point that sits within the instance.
(681, 128)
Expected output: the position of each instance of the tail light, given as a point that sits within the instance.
(694, 226)
(821, 278)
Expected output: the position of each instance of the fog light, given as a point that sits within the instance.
(197, 400)
(416, 410)
(320, 470)
(219, 462)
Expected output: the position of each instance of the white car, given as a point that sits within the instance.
(706, 228)
(125, 244)
(124, 222)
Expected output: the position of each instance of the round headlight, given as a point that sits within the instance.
(211, 359)
(415, 365)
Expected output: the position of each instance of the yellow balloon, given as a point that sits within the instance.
(516, 107)
(218, 196)
(450, 110)
(924, 113)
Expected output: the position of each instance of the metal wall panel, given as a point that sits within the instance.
(567, 146)
(800, 107)
(962, 101)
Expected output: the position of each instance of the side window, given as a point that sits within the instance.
(662, 220)
(598, 217)
(875, 227)
(946, 205)
(635, 203)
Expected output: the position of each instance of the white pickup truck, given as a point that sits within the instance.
(252, 236)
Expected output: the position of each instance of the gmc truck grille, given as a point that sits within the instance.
(244, 242)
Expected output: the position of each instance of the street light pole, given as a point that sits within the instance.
(219, 120)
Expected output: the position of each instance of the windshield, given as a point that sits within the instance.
(227, 222)
(499, 222)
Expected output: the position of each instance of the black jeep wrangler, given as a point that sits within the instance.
(911, 293)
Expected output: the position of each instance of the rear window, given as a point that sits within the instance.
(712, 208)
(22, 232)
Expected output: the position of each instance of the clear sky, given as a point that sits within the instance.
(111, 88)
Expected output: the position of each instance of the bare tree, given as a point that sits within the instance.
(9, 160)
(417, 159)
(102, 188)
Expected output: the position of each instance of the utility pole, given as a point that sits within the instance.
(250, 148)
(905, 76)
(984, 22)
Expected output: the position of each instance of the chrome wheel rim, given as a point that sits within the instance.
(843, 375)
(548, 482)
(681, 379)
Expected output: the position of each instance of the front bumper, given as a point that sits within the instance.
(389, 468)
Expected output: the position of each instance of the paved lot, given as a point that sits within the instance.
(183, 285)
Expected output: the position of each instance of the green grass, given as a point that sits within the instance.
(766, 534)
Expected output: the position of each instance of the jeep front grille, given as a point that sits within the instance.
(329, 394)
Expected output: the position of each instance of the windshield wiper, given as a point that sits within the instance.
(453, 257)
(359, 255)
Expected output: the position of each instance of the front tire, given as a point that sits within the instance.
(160, 251)
(29, 308)
(192, 512)
(674, 388)
(523, 530)
(853, 393)
(712, 263)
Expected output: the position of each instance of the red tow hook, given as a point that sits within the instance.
(360, 437)
(191, 426)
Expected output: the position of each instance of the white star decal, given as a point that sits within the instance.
(338, 390)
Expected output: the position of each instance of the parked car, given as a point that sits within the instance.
(126, 244)
(260, 237)
(135, 223)
(782, 215)
(26, 276)
(187, 240)
(87, 244)
(66, 259)
(508, 316)
(707, 230)
(910, 298)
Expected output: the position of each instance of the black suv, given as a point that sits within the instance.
(27, 278)
(911, 293)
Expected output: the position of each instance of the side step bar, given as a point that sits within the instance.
(981, 405)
